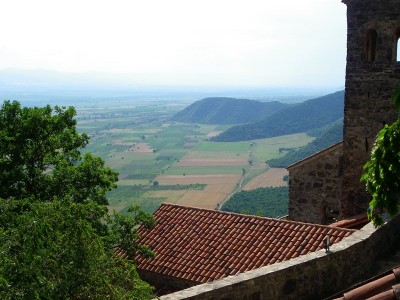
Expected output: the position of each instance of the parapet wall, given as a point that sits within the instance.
(312, 276)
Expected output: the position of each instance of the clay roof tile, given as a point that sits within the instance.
(202, 245)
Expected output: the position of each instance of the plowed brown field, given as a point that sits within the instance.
(217, 189)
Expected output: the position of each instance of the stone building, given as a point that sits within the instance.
(315, 187)
(372, 74)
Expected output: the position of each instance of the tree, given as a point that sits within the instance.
(52, 251)
(382, 171)
(40, 156)
(56, 236)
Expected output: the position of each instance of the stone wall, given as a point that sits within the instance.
(372, 73)
(163, 283)
(312, 276)
(315, 187)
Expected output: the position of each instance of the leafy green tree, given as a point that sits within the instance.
(52, 251)
(382, 171)
(56, 237)
(40, 156)
(126, 230)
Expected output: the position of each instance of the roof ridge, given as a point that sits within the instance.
(315, 154)
(255, 217)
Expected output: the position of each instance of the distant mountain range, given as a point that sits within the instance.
(301, 117)
(259, 120)
(220, 110)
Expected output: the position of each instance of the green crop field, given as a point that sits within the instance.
(228, 146)
(199, 170)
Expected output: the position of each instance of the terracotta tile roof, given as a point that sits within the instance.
(202, 245)
(384, 286)
(355, 222)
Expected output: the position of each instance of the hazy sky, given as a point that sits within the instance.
(181, 42)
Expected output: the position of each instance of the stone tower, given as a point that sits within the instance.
(372, 73)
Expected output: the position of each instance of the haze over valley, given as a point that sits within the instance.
(168, 147)
(185, 112)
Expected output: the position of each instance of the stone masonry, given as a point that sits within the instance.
(315, 186)
(372, 73)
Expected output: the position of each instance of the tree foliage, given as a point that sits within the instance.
(52, 251)
(382, 171)
(270, 202)
(40, 156)
(56, 236)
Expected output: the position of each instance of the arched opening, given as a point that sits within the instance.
(372, 37)
(397, 49)
(396, 46)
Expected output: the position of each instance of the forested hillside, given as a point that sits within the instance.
(301, 117)
(218, 110)
(331, 135)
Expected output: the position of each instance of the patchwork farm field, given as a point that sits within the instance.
(218, 186)
(274, 177)
(163, 161)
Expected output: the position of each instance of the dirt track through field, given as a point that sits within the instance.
(218, 188)
(272, 178)
(212, 162)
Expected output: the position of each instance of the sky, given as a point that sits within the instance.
(180, 42)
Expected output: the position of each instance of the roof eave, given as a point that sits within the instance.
(315, 155)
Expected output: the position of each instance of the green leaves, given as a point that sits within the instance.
(87, 179)
(34, 140)
(126, 228)
(382, 171)
(396, 98)
(52, 251)
(56, 237)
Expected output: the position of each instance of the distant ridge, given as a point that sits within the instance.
(302, 117)
(221, 110)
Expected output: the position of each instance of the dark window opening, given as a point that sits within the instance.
(372, 37)
(396, 46)
(256, 296)
(366, 145)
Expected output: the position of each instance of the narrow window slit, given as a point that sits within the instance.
(372, 37)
